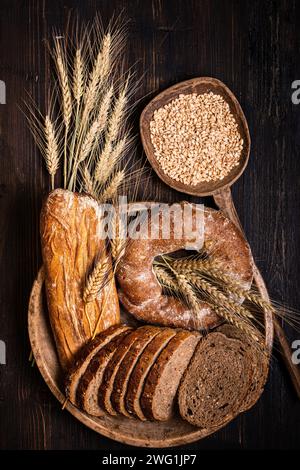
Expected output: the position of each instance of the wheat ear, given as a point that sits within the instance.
(112, 188)
(110, 155)
(213, 269)
(51, 149)
(66, 99)
(118, 239)
(97, 127)
(109, 159)
(98, 74)
(97, 279)
(78, 77)
(88, 182)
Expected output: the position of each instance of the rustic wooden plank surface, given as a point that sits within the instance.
(253, 46)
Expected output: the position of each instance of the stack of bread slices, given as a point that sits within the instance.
(151, 372)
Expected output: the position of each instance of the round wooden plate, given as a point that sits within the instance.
(129, 431)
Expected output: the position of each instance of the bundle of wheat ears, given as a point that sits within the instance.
(85, 125)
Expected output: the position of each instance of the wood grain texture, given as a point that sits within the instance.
(253, 47)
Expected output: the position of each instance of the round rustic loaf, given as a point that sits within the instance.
(142, 295)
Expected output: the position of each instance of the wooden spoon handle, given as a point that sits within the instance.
(224, 201)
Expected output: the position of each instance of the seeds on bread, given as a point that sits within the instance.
(216, 381)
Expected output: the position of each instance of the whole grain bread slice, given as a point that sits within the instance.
(259, 361)
(141, 370)
(87, 390)
(85, 356)
(111, 370)
(161, 385)
(145, 335)
(216, 381)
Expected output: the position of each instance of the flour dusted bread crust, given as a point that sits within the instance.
(142, 295)
(71, 242)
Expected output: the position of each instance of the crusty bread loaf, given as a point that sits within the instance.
(144, 336)
(142, 295)
(106, 387)
(161, 385)
(71, 242)
(88, 387)
(216, 381)
(259, 363)
(86, 355)
(138, 376)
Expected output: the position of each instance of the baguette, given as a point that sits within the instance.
(71, 242)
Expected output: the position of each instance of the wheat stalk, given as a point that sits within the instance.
(97, 280)
(88, 183)
(118, 239)
(98, 74)
(231, 312)
(112, 188)
(65, 87)
(78, 77)
(214, 269)
(109, 159)
(51, 149)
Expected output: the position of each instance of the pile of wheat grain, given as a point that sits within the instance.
(196, 138)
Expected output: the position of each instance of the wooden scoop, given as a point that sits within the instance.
(220, 189)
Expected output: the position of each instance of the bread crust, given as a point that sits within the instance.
(111, 370)
(71, 242)
(94, 374)
(85, 356)
(140, 292)
(169, 353)
(144, 335)
(141, 370)
(259, 363)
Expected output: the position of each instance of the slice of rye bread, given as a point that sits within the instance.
(141, 370)
(85, 356)
(260, 364)
(141, 334)
(118, 394)
(87, 390)
(216, 381)
(161, 385)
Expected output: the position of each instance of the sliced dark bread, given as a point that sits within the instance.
(115, 362)
(141, 370)
(145, 334)
(86, 355)
(260, 364)
(161, 385)
(216, 381)
(88, 387)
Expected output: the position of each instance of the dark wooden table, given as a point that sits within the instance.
(254, 47)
